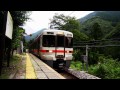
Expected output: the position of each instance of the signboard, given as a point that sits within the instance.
(9, 26)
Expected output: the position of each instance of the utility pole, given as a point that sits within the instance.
(87, 57)
(87, 50)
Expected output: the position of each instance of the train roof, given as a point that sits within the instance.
(51, 30)
(54, 30)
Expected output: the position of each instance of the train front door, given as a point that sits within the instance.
(60, 47)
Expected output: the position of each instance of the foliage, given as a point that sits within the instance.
(76, 65)
(115, 33)
(96, 32)
(70, 24)
(113, 51)
(18, 37)
(104, 30)
(104, 26)
(79, 36)
(64, 22)
(93, 57)
(106, 15)
(107, 68)
(19, 17)
(104, 62)
(76, 54)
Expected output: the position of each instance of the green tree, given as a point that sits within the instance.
(64, 22)
(106, 26)
(115, 33)
(19, 36)
(79, 36)
(70, 24)
(96, 32)
(19, 18)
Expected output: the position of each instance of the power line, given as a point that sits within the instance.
(98, 46)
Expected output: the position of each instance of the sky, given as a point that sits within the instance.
(41, 19)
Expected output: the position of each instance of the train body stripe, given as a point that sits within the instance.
(43, 50)
(58, 51)
(55, 51)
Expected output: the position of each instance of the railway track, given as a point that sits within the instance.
(66, 74)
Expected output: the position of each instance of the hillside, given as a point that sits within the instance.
(107, 20)
(113, 16)
(34, 35)
(106, 26)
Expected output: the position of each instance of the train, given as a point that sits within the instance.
(54, 47)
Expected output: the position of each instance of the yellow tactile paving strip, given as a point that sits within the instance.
(30, 73)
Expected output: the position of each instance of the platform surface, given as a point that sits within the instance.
(37, 69)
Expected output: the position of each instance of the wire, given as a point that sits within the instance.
(97, 46)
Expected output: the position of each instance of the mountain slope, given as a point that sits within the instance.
(113, 16)
(34, 35)
(106, 26)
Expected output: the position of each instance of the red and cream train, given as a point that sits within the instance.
(54, 47)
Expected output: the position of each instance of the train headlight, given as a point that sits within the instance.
(60, 33)
(67, 51)
(50, 50)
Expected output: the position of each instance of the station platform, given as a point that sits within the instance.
(37, 69)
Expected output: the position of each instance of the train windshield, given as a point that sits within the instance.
(68, 42)
(60, 41)
(48, 41)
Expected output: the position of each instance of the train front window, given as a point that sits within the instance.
(68, 42)
(48, 41)
(60, 41)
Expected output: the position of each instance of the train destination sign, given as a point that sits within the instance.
(9, 26)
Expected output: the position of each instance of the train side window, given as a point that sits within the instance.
(48, 41)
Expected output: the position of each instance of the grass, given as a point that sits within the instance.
(7, 71)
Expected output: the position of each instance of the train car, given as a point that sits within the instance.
(54, 47)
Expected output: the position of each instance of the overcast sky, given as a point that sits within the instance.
(41, 19)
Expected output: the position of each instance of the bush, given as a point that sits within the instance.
(93, 58)
(106, 69)
(76, 55)
(76, 65)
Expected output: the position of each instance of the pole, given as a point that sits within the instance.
(87, 57)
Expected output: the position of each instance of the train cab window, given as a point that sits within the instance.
(60, 41)
(48, 41)
(68, 42)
